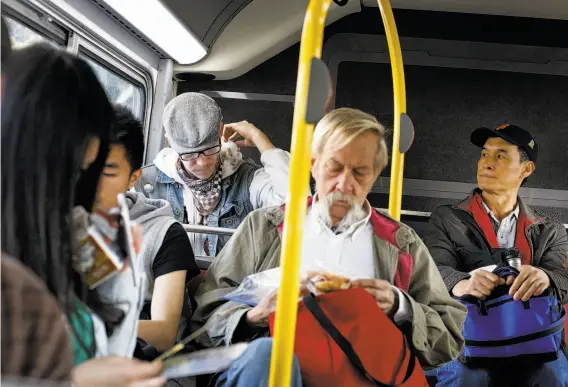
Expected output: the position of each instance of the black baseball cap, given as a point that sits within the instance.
(513, 134)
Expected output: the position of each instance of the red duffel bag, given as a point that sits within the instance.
(344, 339)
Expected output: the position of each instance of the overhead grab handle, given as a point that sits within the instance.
(406, 133)
(341, 3)
(320, 91)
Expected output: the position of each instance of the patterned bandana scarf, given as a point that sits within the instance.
(206, 193)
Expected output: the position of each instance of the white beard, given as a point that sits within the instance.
(355, 213)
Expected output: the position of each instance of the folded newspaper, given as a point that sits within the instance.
(207, 361)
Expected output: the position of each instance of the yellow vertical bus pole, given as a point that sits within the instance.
(397, 165)
(287, 304)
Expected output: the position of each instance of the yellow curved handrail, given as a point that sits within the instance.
(287, 304)
(399, 91)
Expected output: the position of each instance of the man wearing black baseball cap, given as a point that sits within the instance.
(512, 134)
(508, 157)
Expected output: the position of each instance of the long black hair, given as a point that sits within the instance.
(52, 107)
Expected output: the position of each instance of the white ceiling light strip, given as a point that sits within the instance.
(157, 22)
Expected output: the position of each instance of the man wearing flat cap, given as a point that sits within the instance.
(508, 157)
(203, 175)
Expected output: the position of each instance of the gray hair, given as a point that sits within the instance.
(341, 126)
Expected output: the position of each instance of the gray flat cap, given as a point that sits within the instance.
(191, 121)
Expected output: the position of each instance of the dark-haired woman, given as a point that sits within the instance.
(55, 126)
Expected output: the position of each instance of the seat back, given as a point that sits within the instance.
(195, 282)
(566, 326)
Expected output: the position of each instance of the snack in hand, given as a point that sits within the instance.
(328, 282)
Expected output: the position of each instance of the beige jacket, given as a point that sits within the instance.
(437, 319)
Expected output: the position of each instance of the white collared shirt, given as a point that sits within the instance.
(506, 230)
(349, 253)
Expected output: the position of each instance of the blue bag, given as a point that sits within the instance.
(500, 327)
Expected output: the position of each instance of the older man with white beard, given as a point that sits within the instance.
(341, 231)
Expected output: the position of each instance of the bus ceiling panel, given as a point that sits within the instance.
(454, 53)
(262, 29)
(89, 20)
(207, 19)
(545, 9)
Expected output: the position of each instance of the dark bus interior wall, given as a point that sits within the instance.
(445, 103)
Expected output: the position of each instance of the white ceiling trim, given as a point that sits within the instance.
(261, 30)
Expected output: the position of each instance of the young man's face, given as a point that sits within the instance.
(117, 178)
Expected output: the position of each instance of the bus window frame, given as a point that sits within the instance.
(121, 66)
(79, 39)
(109, 63)
(38, 22)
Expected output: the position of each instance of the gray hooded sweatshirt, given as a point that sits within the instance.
(156, 217)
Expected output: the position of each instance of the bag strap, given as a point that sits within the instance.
(312, 304)
(471, 226)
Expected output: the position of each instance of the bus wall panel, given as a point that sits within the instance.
(558, 215)
(275, 76)
(271, 117)
(446, 104)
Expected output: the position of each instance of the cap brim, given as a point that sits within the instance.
(480, 135)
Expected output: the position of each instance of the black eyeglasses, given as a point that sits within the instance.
(206, 152)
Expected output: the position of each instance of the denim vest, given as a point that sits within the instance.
(234, 204)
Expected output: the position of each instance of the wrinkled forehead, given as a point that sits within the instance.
(360, 151)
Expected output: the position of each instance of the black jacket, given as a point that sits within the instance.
(456, 251)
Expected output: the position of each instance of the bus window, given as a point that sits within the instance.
(22, 36)
(120, 90)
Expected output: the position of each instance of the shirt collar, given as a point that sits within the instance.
(514, 214)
